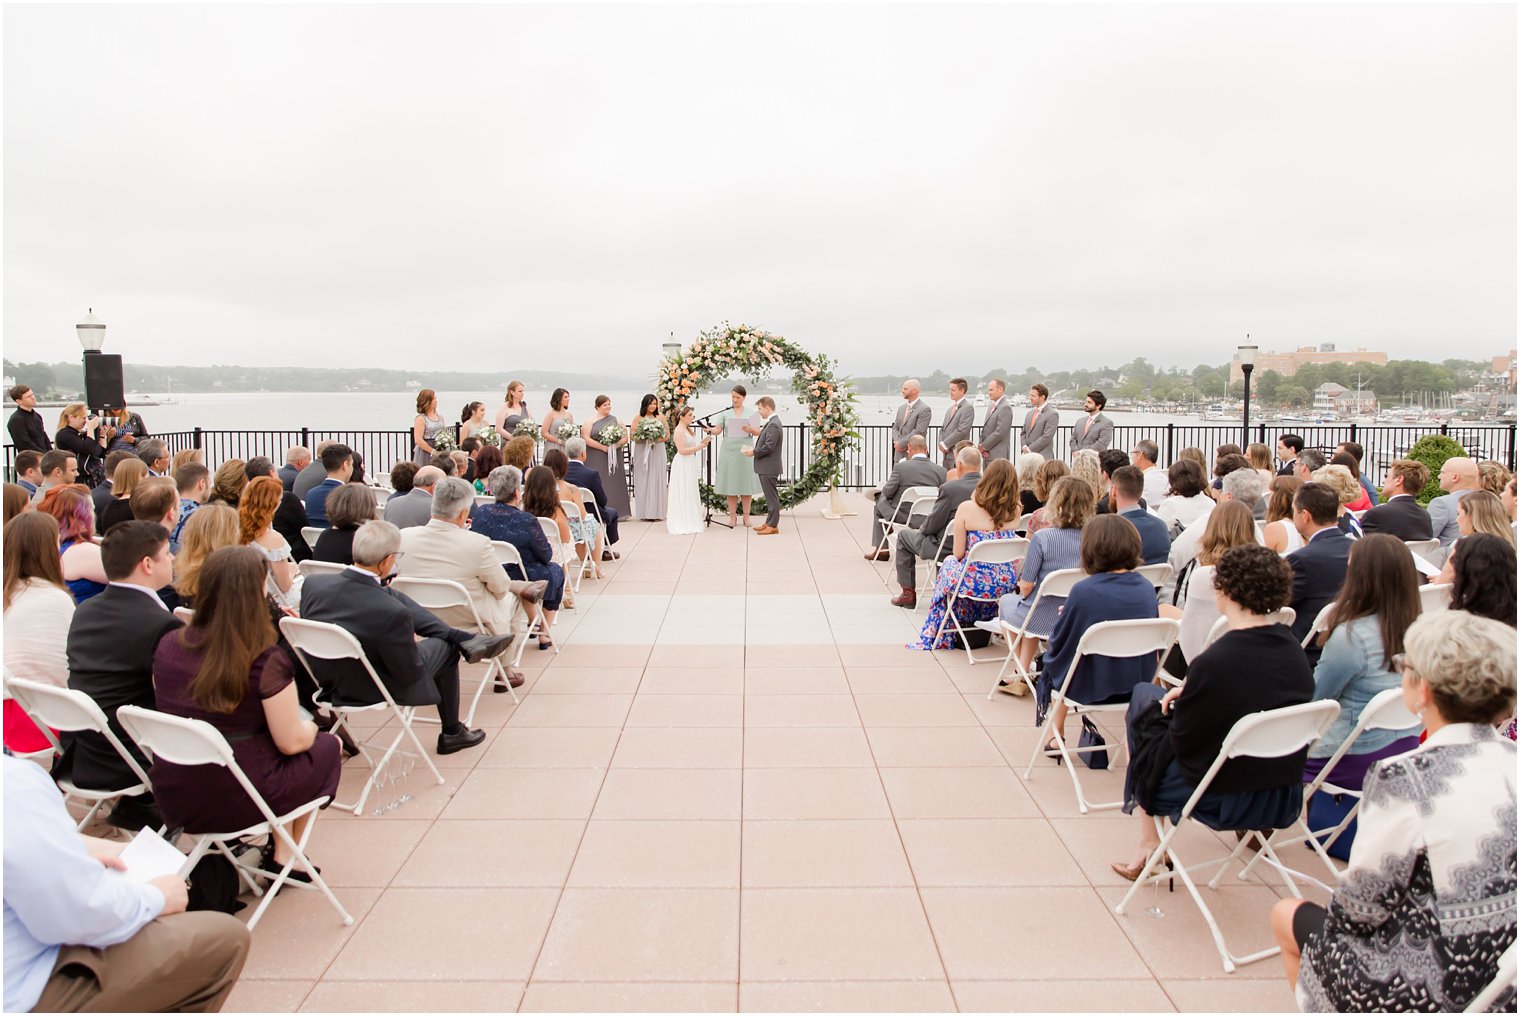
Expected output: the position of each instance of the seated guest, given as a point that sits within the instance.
(228, 482)
(1054, 548)
(386, 623)
(192, 482)
(38, 609)
(586, 529)
(228, 669)
(1255, 665)
(1126, 490)
(1319, 566)
(110, 652)
(519, 452)
(84, 572)
(402, 475)
(1102, 477)
(928, 542)
(1400, 514)
(415, 507)
(1508, 497)
(17, 500)
(213, 527)
(487, 461)
(1229, 526)
(462, 465)
(1426, 906)
(296, 459)
(507, 521)
(1156, 484)
(1243, 485)
(1483, 577)
(541, 499)
(312, 473)
(1478, 512)
(443, 462)
(990, 514)
(954, 472)
(260, 500)
(82, 937)
(1459, 477)
(1185, 501)
(338, 460)
(59, 468)
(290, 516)
(348, 508)
(917, 470)
(1377, 604)
(357, 476)
(1493, 476)
(579, 474)
(1260, 458)
(1279, 533)
(1226, 462)
(129, 473)
(28, 466)
(1113, 591)
(1045, 479)
(1363, 501)
(157, 500)
(101, 494)
(154, 453)
(186, 457)
(1347, 490)
(1029, 469)
(1195, 455)
(1358, 455)
(1309, 462)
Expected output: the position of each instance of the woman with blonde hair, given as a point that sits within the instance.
(1260, 458)
(186, 457)
(1279, 533)
(1045, 480)
(129, 473)
(209, 528)
(261, 498)
(1088, 465)
(1029, 468)
(1494, 476)
(227, 483)
(1347, 491)
(519, 452)
(512, 411)
(426, 426)
(1477, 512)
(989, 514)
(78, 432)
(1230, 525)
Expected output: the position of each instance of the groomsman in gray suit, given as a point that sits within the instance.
(1040, 423)
(1097, 431)
(913, 417)
(999, 423)
(958, 420)
(767, 455)
(914, 471)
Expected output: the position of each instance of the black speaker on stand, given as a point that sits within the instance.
(104, 387)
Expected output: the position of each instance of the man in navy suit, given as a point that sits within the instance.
(338, 461)
(582, 475)
(1319, 566)
(1126, 486)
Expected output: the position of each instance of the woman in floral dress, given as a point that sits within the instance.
(989, 515)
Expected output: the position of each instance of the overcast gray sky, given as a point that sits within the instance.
(902, 187)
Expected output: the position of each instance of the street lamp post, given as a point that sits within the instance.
(1247, 356)
(91, 332)
(672, 349)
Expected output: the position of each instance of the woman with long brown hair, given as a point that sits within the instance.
(209, 528)
(261, 498)
(512, 411)
(1279, 533)
(426, 426)
(17, 500)
(227, 669)
(227, 483)
(1378, 602)
(990, 514)
(38, 611)
(1230, 525)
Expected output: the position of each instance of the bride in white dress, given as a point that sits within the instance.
(683, 512)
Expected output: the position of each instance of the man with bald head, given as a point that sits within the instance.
(415, 507)
(1459, 477)
(312, 473)
(928, 541)
(917, 470)
(912, 418)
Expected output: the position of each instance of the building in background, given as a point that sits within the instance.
(1338, 400)
(1287, 364)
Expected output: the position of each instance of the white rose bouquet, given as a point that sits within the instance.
(526, 428)
(566, 430)
(487, 436)
(649, 429)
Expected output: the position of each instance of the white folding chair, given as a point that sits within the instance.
(445, 594)
(310, 535)
(999, 551)
(43, 756)
(1271, 733)
(185, 614)
(310, 567)
(1116, 640)
(907, 500)
(330, 642)
(67, 709)
(1386, 711)
(1504, 979)
(507, 554)
(484, 499)
(1434, 598)
(382, 495)
(1430, 550)
(190, 742)
(931, 573)
(1157, 575)
(1286, 615)
(589, 498)
(584, 565)
(1321, 624)
(1054, 586)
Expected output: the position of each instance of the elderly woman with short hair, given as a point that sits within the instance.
(348, 508)
(504, 519)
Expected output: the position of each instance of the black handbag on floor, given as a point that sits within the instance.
(1092, 736)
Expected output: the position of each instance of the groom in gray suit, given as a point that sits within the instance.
(914, 471)
(958, 420)
(999, 422)
(1040, 423)
(913, 417)
(766, 452)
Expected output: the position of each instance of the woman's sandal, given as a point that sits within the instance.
(1051, 746)
(1130, 874)
(545, 643)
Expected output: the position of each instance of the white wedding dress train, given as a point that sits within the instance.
(683, 509)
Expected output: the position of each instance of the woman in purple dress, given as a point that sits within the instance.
(226, 668)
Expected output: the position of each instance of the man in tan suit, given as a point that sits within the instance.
(446, 549)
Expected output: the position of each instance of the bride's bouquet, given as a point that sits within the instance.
(611, 434)
(526, 428)
(566, 430)
(487, 436)
(649, 429)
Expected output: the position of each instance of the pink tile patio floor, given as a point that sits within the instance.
(734, 788)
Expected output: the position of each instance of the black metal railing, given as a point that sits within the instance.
(869, 464)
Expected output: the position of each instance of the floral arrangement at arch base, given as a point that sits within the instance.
(829, 404)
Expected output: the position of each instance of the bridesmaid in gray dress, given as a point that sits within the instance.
(651, 476)
(425, 427)
(608, 461)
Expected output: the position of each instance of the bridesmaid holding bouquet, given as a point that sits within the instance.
(650, 475)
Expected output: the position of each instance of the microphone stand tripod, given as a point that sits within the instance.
(707, 466)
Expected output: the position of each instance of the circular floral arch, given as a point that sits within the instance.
(728, 349)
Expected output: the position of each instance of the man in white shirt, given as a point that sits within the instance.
(82, 936)
(1143, 457)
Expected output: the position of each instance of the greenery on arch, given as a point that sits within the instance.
(829, 403)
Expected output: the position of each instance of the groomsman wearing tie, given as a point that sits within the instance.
(999, 423)
(1097, 431)
(1040, 424)
(958, 420)
(913, 417)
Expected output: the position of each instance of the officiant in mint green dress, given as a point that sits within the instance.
(736, 479)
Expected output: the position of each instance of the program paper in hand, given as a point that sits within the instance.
(149, 855)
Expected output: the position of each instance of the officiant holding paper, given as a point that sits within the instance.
(736, 475)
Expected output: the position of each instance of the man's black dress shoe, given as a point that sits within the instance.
(483, 647)
(448, 744)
